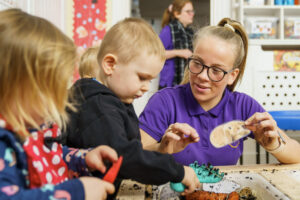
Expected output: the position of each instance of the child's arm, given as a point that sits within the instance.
(75, 159)
(13, 181)
(72, 189)
(81, 162)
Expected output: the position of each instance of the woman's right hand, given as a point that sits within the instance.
(95, 188)
(190, 180)
(177, 137)
(184, 53)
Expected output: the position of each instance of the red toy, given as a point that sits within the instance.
(112, 173)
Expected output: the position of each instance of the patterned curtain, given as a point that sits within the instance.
(89, 22)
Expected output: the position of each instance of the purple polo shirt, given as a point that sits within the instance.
(177, 104)
(168, 71)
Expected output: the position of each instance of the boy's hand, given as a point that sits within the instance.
(264, 128)
(190, 180)
(95, 188)
(177, 137)
(94, 159)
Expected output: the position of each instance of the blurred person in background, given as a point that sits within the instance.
(176, 36)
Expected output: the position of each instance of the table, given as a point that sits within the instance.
(285, 178)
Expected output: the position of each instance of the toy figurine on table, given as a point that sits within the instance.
(205, 173)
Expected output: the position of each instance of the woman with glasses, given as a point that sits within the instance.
(176, 35)
(207, 99)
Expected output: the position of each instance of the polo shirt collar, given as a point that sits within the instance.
(194, 108)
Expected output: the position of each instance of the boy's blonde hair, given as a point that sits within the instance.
(235, 34)
(88, 65)
(128, 39)
(36, 66)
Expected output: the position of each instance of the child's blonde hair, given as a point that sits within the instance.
(37, 62)
(233, 33)
(128, 39)
(88, 65)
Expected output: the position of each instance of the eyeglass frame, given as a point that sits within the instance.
(189, 11)
(208, 67)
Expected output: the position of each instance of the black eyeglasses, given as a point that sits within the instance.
(215, 74)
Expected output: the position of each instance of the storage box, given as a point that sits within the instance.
(254, 2)
(287, 60)
(262, 27)
(284, 2)
(292, 28)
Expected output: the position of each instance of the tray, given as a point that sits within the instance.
(260, 186)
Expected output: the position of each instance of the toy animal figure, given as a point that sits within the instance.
(228, 133)
(205, 173)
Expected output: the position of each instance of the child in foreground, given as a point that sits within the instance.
(130, 56)
(35, 69)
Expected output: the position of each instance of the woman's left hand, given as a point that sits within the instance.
(264, 128)
(177, 137)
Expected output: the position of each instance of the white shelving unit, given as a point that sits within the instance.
(260, 54)
(241, 11)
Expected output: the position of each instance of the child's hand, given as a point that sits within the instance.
(177, 137)
(95, 188)
(94, 159)
(264, 128)
(190, 180)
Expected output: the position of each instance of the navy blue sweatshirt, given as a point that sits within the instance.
(102, 119)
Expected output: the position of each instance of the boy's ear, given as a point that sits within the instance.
(108, 63)
(233, 75)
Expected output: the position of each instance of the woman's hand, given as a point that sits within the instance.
(265, 130)
(177, 137)
(94, 159)
(184, 53)
(95, 188)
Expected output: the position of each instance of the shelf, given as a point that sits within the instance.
(275, 42)
(267, 10)
(272, 7)
(269, 21)
(262, 11)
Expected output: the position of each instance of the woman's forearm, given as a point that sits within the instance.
(172, 53)
(290, 154)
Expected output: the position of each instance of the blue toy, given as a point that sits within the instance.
(205, 174)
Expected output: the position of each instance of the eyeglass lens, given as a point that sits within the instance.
(190, 11)
(214, 73)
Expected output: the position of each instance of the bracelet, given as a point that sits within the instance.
(279, 148)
